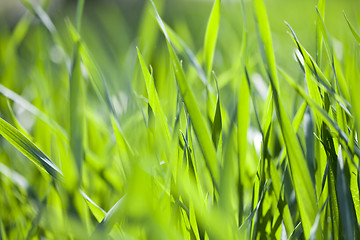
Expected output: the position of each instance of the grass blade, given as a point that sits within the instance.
(304, 191)
(211, 36)
(353, 31)
(201, 129)
(29, 149)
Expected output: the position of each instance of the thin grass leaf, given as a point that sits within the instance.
(319, 36)
(243, 121)
(266, 45)
(353, 31)
(305, 194)
(185, 50)
(111, 218)
(97, 211)
(217, 123)
(322, 81)
(96, 77)
(153, 96)
(33, 110)
(77, 116)
(201, 129)
(346, 205)
(29, 149)
(211, 36)
(325, 117)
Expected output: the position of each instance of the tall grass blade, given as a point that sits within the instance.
(304, 191)
(353, 31)
(211, 36)
(201, 129)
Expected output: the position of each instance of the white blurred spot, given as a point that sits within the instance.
(260, 85)
(254, 137)
(338, 49)
(56, 54)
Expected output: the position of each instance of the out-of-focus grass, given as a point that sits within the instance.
(180, 120)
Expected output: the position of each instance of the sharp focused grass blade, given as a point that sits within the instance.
(305, 195)
(211, 36)
(29, 149)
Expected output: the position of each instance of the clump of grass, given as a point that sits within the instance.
(161, 141)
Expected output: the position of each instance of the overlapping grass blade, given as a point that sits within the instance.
(184, 49)
(153, 96)
(29, 149)
(201, 129)
(322, 81)
(346, 205)
(321, 112)
(305, 194)
(33, 110)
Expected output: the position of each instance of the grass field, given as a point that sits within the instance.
(180, 120)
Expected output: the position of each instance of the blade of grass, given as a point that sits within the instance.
(211, 36)
(322, 81)
(29, 149)
(77, 101)
(201, 129)
(353, 31)
(305, 194)
(325, 117)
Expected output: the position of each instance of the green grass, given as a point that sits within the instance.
(197, 120)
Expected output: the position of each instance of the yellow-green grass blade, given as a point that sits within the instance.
(29, 149)
(110, 219)
(217, 122)
(96, 77)
(296, 122)
(322, 81)
(97, 211)
(153, 96)
(304, 191)
(211, 36)
(148, 30)
(34, 110)
(77, 101)
(353, 31)
(346, 205)
(266, 45)
(99, 84)
(320, 24)
(313, 92)
(319, 37)
(184, 49)
(243, 121)
(325, 117)
(77, 116)
(201, 128)
(277, 185)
